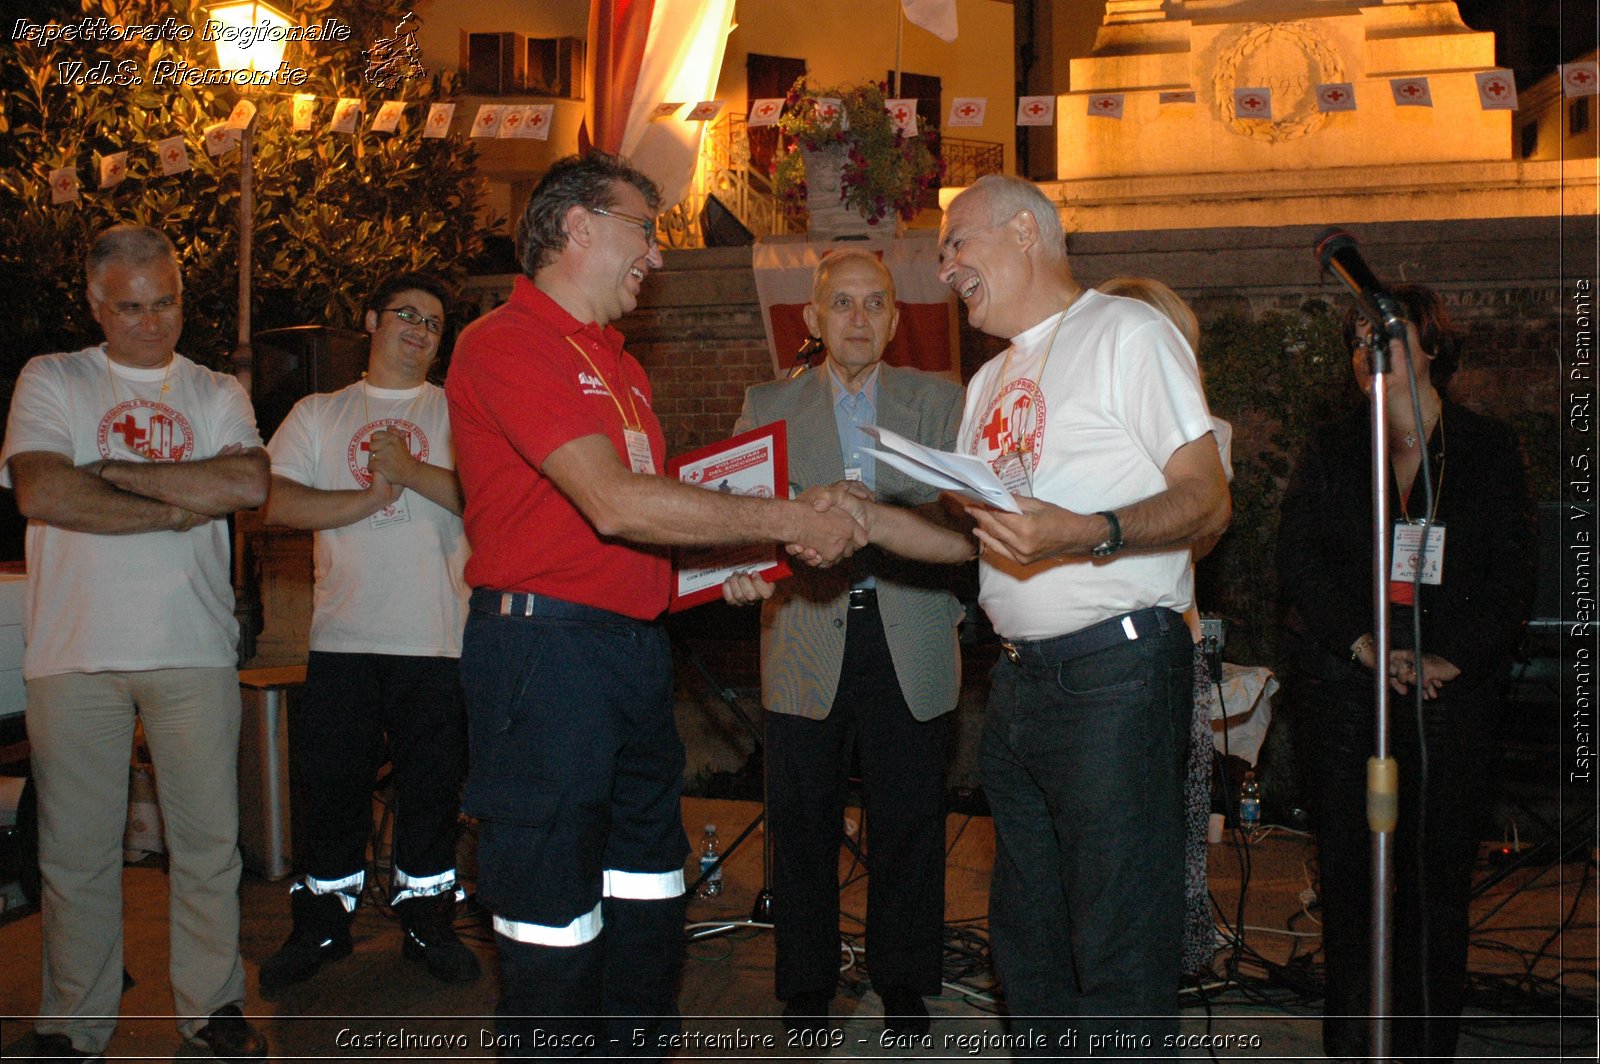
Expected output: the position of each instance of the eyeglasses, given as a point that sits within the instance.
(411, 317)
(133, 312)
(646, 225)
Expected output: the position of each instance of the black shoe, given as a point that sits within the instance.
(806, 1013)
(230, 1037)
(58, 1047)
(321, 934)
(904, 1011)
(430, 937)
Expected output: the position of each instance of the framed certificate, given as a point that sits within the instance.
(754, 463)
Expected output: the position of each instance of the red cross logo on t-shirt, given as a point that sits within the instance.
(150, 430)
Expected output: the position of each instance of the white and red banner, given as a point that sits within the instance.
(512, 120)
(1580, 79)
(903, 113)
(242, 113)
(1336, 96)
(1106, 104)
(704, 111)
(541, 116)
(1411, 92)
(113, 168)
(1254, 102)
(967, 111)
(765, 111)
(438, 122)
(174, 155)
(1497, 90)
(1036, 110)
(220, 137)
(305, 109)
(346, 113)
(666, 110)
(63, 185)
(487, 123)
(387, 120)
(927, 337)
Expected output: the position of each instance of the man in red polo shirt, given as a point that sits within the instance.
(575, 761)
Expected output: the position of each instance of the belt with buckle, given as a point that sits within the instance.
(1091, 640)
(863, 598)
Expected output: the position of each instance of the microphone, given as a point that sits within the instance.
(1337, 253)
(802, 358)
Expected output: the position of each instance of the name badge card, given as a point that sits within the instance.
(396, 513)
(1013, 474)
(639, 459)
(1408, 551)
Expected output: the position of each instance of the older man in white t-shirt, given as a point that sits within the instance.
(125, 458)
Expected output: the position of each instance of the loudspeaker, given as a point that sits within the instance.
(721, 228)
(301, 360)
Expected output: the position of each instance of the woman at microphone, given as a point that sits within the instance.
(1475, 595)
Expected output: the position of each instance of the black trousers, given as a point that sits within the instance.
(337, 733)
(902, 769)
(1433, 874)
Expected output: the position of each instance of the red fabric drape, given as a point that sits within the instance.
(618, 30)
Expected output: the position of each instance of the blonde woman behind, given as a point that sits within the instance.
(1198, 935)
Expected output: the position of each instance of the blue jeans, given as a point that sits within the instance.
(1082, 763)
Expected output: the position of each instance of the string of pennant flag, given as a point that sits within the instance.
(1497, 91)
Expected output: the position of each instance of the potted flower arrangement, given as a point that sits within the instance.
(847, 161)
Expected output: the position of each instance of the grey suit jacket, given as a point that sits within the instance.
(803, 624)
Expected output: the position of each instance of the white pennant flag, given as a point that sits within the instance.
(345, 115)
(1336, 96)
(487, 124)
(1497, 90)
(173, 154)
(1036, 110)
(765, 112)
(666, 110)
(830, 111)
(967, 111)
(305, 109)
(1580, 79)
(541, 116)
(1106, 104)
(220, 137)
(938, 17)
(1253, 102)
(438, 123)
(903, 113)
(705, 111)
(113, 168)
(1411, 92)
(511, 122)
(242, 113)
(63, 185)
(387, 120)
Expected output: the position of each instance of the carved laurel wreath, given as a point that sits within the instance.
(1226, 80)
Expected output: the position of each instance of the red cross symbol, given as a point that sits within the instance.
(1105, 103)
(1495, 88)
(114, 170)
(486, 119)
(966, 110)
(513, 120)
(995, 431)
(537, 118)
(829, 111)
(899, 114)
(1410, 89)
(764, 110)
(1035, 109)
(132, 435)
(436, 119)
(172, 155)
(1252, 103)
(1335, 95)
(1580, 77)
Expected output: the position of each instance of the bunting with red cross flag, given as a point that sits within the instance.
(1497, 90)
(765, 112)
(1036, 110)
(1336, 96)
(1253, 102)
(1580, 79)
(1106, 104)
(967, 111)
(1411, 92)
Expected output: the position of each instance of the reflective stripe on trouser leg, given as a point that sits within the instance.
(585, 928)
(642, 886)
(407, 887)
(347, 889)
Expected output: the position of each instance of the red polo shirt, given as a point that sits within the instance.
(518, 389)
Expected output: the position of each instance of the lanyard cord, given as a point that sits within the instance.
(635, 424)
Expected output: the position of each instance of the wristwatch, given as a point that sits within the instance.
(1113, 542)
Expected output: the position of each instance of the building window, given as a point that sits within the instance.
(1578, 116)
(1530, 139)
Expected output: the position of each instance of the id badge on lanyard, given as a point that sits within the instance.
(639, 459)
(396, 513)
(1012, 473)
(1408, 552)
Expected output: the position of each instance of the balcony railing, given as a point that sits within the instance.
(967, 160)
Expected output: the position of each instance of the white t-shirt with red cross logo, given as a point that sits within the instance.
(1119, 393)
(152, 600)
(390, 583)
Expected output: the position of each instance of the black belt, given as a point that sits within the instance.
(527, 604)
(863, 598)
(1091, 640)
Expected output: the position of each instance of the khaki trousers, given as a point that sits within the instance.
(80, 731)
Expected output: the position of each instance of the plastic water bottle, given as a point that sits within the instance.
(1249, 803)
(710, 852)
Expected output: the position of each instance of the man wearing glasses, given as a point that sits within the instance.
(370, 468)
(125, 458)
(575, 761)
